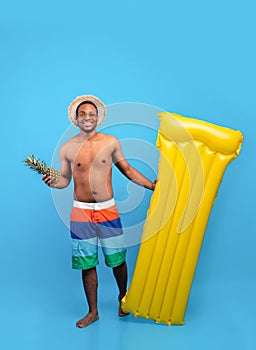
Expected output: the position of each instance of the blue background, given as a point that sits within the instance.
(196, 58)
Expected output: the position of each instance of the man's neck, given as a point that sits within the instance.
(85, 136)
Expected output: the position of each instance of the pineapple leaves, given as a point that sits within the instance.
(40, 167)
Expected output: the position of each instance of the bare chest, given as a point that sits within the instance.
(91, 155)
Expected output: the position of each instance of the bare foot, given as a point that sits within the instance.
(88, 319)
(121, 313)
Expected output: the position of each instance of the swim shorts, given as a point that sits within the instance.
(93, 225)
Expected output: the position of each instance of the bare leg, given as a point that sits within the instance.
(90, 283)
(120, 273)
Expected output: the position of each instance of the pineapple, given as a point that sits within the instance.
(41, 167)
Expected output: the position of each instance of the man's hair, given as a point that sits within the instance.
(84, 103)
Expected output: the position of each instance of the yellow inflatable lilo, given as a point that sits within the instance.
(193, 157)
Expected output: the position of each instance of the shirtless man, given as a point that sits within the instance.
(89, 157)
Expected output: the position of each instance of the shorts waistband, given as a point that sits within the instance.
(95, 206)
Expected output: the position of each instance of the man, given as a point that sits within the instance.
(89, 157)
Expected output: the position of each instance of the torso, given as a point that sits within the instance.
(91, 164)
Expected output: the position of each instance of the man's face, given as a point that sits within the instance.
(87, 117)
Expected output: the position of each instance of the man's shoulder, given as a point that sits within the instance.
(70, 142)
(107, 137)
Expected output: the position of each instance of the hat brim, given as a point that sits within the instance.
(76, 102)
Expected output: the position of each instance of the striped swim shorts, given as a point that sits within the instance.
(93, 225)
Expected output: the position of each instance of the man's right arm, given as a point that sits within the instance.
(65, 172)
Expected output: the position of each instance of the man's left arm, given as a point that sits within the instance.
(129, 171)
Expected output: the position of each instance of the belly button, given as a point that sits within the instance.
(78, 164)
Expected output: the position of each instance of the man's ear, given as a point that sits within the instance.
(76, 120)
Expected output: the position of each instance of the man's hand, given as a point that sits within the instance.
(50, 181)
(154, 184)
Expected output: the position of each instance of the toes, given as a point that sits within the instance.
(123, 314)
(87, 320)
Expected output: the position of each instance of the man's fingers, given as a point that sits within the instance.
(49, 180)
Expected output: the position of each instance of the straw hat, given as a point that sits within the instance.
(76, 102)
